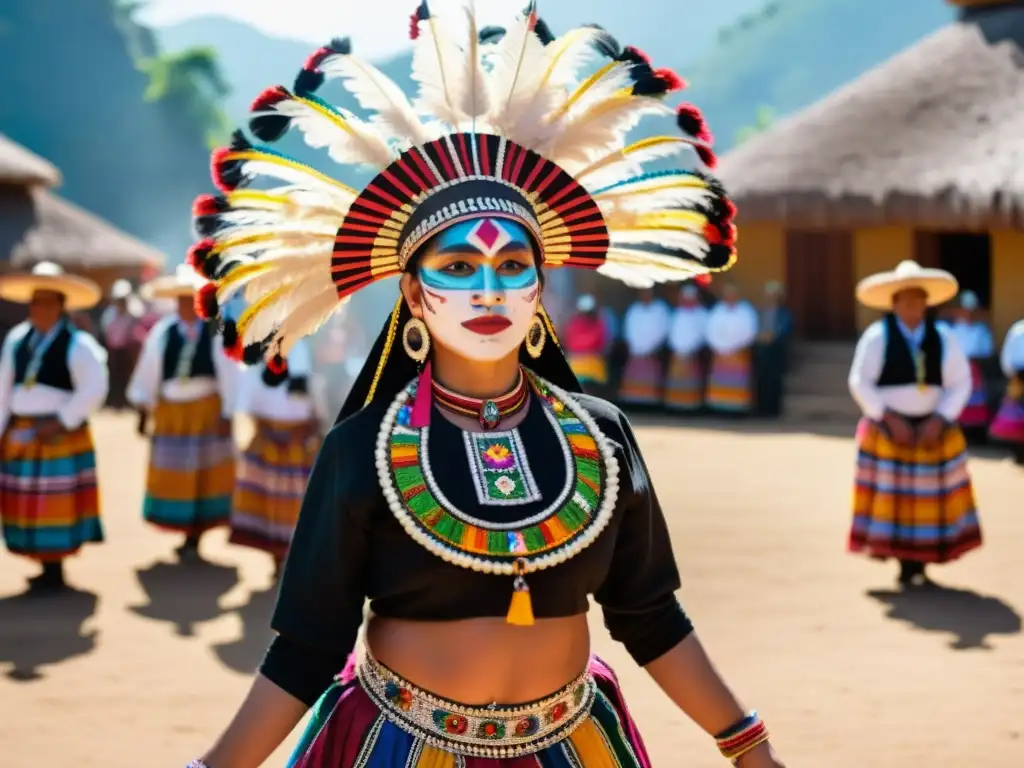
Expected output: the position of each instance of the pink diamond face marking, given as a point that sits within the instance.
(489, 237)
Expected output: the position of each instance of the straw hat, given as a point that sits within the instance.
(184, 282)
(121, 289)
(877, 291)
(79, 292)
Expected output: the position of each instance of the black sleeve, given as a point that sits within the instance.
(323, 588)
(638, 595)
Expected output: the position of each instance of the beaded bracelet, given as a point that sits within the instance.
(742, 737)
(197, 763)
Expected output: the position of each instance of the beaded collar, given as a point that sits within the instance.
(560, 532)
(489, 412)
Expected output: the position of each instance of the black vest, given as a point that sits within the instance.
(899, 368)
(202, 361)
(53, 369)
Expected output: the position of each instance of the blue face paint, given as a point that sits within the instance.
(477, 259)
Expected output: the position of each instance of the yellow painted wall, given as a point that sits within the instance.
(761, 251)
(876, 250)
(1007, 280)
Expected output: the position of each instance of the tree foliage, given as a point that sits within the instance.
(190, 80)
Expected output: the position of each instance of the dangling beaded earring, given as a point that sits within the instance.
(416, 339)
(536, 336)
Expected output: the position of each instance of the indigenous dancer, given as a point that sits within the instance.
(117, 325)
(273, 470)
(645, 330)
(975, 339)
(52, 378)
(586, 341)
(188, 385)
(913, 498)
(1008, 425)
(731, 332)
(469, 486)
(771, 352)
(687, 340)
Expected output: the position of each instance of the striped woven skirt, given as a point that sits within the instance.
(684, 387)
(642, 380)
(49, 501)
(976, 413)
(913, 503)
(1008, 425)
(730, 382)
(272, 475)
(372, 717)
(589, 368)
(191, 467)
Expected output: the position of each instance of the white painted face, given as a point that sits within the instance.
(480, 288)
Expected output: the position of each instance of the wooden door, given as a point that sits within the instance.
(819, 275)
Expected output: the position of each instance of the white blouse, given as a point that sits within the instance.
(1012, 358)
(645, 327)
(87, 364)
(909, 399)
(259, 401)
(147, 385)
(731, 328)
(688, 332)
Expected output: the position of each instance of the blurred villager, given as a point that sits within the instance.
(771, 353)
(913, 497)
(731, 332)
(687, 341)
(152, 311)
(274, 468)
(53, 377)
(188, 384)
(1008, 425)
(975, 339)
(586, 341)
(117, 328)
(645, 330)
(616, 352)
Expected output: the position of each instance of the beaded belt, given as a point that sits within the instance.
(489, 732)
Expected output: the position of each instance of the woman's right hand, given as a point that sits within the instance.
(898, 428)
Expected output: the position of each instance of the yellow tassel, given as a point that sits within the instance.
(520, 610)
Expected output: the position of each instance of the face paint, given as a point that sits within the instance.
(480, 287)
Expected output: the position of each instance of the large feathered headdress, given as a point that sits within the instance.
(504, 124)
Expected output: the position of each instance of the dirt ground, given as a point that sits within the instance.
(145, 662)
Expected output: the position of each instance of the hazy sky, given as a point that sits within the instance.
(380, 33)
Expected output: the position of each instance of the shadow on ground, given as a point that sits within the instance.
(971, 618)
(185, 594)
(41, 630)
(245, 654)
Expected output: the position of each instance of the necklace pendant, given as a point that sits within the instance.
(489, 415)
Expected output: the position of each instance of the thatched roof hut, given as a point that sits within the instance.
(19, 167)
(934, 136)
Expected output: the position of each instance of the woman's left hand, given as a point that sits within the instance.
(762, 756)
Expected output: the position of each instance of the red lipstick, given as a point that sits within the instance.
(487, 325)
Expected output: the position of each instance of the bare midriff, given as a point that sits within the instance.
(479, 662)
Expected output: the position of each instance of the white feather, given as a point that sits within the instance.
(299, 177)
(308, 318)
(649, 267)
(437, 67)
(476, 97)
(599, 129)
(654, 200)
(348, 140)
(293, 299)
(623, 164)
(378, 93)
(680, 239)
(518, 64)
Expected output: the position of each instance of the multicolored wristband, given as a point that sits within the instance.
(737, 740)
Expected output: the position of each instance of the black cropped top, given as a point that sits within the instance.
(348, 546)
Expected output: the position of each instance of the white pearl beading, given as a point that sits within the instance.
(530, 564)
(418, 719)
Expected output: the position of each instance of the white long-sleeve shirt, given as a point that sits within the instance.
(731, 328)
(975, 339)
(645, 327)
(1011, 359)
(147, 385)
(87, 364)
(909, 399)
(259, 401)
(688, 332)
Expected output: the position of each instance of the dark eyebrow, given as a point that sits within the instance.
(463, 249)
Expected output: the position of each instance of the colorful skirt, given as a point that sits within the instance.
(730, 382)
(976, 412)
(684, 387)
(49, 501)
(589, 368)
(913, 503)
(191, 467)
(372, 717)
(272, 475)
(1008, 425)
(642, 380)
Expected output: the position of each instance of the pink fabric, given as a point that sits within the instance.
(420, 416)
(586, 335)
(118, 332)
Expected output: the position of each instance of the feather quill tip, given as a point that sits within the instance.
(202, 258)
(278, 366)
(208, 205)
(226, 172)
(540, 28)
(691, 122)
(273, 378)
(252, 354)
(706, 155)
(232, 341)
(270, 127)
(422, 13)
(655, 82)
(310, 78)
(206, 303)
(632, 55)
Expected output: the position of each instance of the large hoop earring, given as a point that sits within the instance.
(416, 339)
(536, 337)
